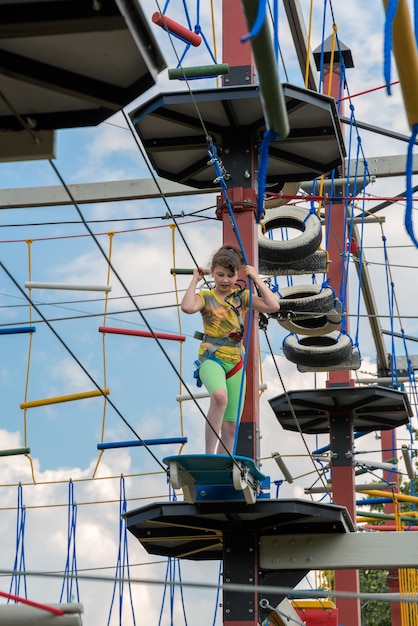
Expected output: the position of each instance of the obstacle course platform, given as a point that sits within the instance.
(216, 477)
(196, 531)
(371, 408)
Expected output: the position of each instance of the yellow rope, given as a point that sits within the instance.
(214, 41)
(407, 579)
(81, 480)
(334, 37)
(308, 46)
(331, 65)
(109, 257)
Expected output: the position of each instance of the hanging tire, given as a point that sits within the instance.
(316, 263)
(311, 326)
(305, 244)
(289, 189)
(352, 363)
(306, 298)
(316, 324)
(324, 351)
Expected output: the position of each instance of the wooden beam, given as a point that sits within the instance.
(369, 550)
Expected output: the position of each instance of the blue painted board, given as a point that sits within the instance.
(213, 469)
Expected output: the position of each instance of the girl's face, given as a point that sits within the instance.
(224, 279)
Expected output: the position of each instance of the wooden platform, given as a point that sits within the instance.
(215, 477)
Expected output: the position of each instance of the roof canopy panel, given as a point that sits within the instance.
(170, 127)
(72, 63)
(370, 408)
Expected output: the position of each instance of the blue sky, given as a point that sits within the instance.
(144, 386)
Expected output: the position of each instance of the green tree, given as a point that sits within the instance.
(374, 613)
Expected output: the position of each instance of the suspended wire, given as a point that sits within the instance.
(138, 309)
(77, 360)
(111, 220)
(294, 416)
(234, 587)
(91, 234)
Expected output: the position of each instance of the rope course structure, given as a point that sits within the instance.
(332, 250)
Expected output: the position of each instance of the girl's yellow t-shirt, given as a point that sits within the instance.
(220, 319)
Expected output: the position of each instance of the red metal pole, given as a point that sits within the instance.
(241, 560)
(343, 477)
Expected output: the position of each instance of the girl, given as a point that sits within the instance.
(220, 354)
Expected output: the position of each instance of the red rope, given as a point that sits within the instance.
(115, 232)
(37, 605)
(361, 93)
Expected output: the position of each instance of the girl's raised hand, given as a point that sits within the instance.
(250, 272)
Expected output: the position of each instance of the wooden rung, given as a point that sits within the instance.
(14, 451)
(140, 333)
(199, 71)
(68, 398)
(19, 329)
(67, 286)
(177, 29)
(136, 442)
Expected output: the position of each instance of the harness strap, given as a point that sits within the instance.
(209, 353)
(234, 340)
(237, 367)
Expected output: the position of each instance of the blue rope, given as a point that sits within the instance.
(269, 136)
(212, 152)
(198, 31)
(244, 366)
(390, 292)
(19, 561)
(258, 23)
(70, 571)
(183, 606)
(360, 273)
(218, 593)
(391, 10)
(170, 577)
(122, 564)
(409, 191)
(416, 20)
(186, 12)
(321, 58)
(345, 258)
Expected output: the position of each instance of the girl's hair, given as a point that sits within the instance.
(229, 257)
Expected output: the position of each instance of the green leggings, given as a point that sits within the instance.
(213, 375)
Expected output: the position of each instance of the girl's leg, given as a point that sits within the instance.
(227, 438)
(212, 376)
(236, 395)
(218, 402)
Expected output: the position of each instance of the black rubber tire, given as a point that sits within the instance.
(289, 189)
(306, 299)
(305, 244)
(315, 325)
(324, 351)
(316, 263)
(311, 326)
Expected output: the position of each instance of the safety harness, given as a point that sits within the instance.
(234, 339)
